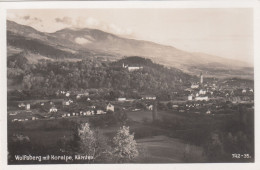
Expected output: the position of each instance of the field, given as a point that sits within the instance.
(162, 149)
(174, 138)
(139, 116)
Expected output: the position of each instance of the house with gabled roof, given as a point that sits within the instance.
(110, 107)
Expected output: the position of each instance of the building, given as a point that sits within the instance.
(194, 86)
(110, 107)
(190, 97)
(175, 106)
(208, 112)
(93, 107)
(148, 97)
(89, 113)
(21, 105)
(134, 68)
(28, 106)
(200, 98)
(65, 103)
(120, 99)
(125, 66)
(79, 95)
(99, 112)
(150, 107)
(202, 91)
(235, 99)
(53, 109)
(201, 78)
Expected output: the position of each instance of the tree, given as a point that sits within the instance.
(125, 147)
(18, 145)
(91, 143)
(214, 147)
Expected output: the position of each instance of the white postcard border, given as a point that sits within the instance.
(127, 4)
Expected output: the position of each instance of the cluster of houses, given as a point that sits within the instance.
(53, 111)
(24, 106)
(62, 92)
(109, 107)
(67, 102)
(196, 107)
(26, 118)
(78, 94)
(19, 120)
(198, 91)
(144, 97)
(199, 96)
(84, 113)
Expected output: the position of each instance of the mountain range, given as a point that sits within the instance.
(76, 44)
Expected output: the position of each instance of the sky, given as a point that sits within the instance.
(224, 32)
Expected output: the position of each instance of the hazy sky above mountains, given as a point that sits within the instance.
(222, 32)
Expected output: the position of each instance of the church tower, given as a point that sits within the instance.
(201, 78)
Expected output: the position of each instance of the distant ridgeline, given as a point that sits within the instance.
(105, 47)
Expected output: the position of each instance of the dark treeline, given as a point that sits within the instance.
(47, 76)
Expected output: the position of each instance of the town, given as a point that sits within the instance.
(130, 85)
(200, 98)
(160, 105)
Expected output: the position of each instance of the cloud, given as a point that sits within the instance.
(92, 22)
(119, 30)
(30, 19)
(64, 20)
(26, 17)
(37, 19)
(89, 22)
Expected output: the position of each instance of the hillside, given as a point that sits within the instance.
(110, 80)
(93, 43)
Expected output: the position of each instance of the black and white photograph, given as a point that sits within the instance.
(130, 85)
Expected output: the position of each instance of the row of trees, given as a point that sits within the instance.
(90, 142)
(85, 142)
(219, 137)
